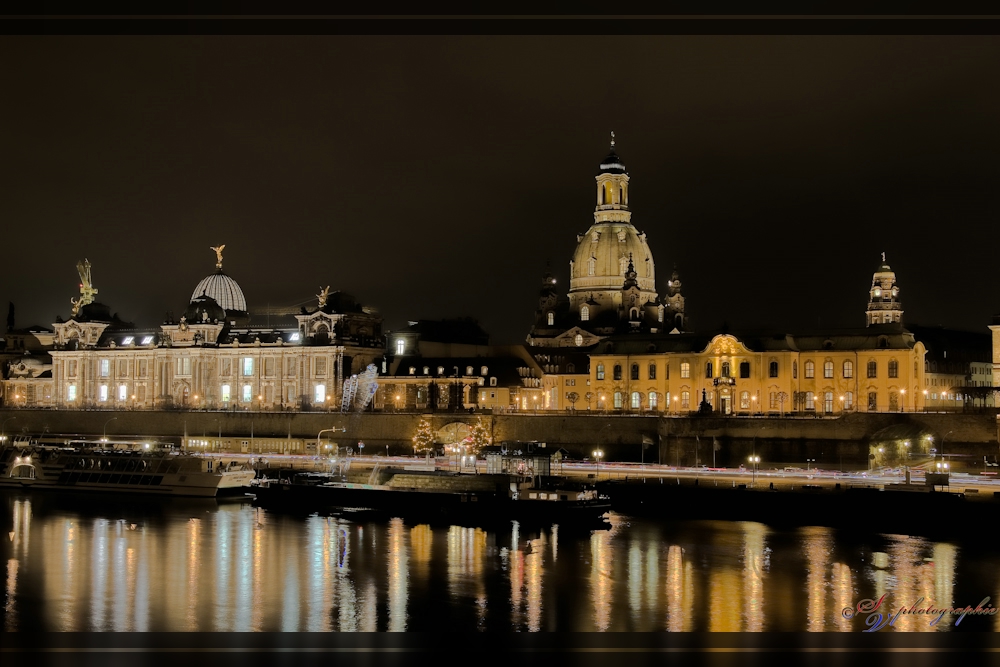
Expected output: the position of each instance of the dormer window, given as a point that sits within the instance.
(427, 370)
(493, 382)
(878, 292)
(413, 370)
(147, 340)
(295, 337)
(468, 370)
(128, 340)
(578, 339)
(484, 370)
(440, 370)
(400, 345)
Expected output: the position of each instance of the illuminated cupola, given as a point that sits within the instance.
(883, 298)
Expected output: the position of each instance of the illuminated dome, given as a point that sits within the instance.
(224, 290)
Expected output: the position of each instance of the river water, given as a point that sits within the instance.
(85, 563)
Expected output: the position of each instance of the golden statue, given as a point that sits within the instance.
(87, 291)
(218, 254)
(324, 292)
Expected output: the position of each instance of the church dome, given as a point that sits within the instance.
(602, 256)
(224, 290)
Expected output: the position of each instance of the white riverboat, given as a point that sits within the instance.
(130, 468)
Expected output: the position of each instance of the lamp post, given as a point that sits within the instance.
(902, 400)
(925, 400)
(334, 429)
(597, 455)
(753, 443)
(104, 437)
(754, 460)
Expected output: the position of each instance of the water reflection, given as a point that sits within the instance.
(209, 567)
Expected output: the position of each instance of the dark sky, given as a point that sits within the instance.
(434, 176)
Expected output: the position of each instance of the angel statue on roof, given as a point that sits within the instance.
(324, 292)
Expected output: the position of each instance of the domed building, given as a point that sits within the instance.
(225, 292)
(612, 283)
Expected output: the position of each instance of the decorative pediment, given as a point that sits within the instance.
(726, 345)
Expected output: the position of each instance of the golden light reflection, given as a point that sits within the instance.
(398, 576)
(535, 568)
(675, 589)
(754, 565)
(817, 543)
(843, 595)
(10, 607)
(905, 567)
(193, 572)
(635, 581)
(601, 578)
(99, 573)
(652, 581)
(944, 564)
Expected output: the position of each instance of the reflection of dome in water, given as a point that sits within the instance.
(224, 290)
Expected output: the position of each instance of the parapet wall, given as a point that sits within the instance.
(670, 440)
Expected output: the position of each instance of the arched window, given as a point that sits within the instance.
(618, 400)
(652, 400)
(810, 401)
(725, 369)
(828, 401)
(848, 369)
(685, 400)
(427, 370)
(652, 371)
(570, 368)
(893, 401)
(584, 313)
(484, 371)
(872, 369)
(618, 372)
(708, 369)
(634, 375)
(636, 400)
(551, 319)
(810, 369)
(828, 369)
(893, 368)
(468, 370)
(413, 370)
(600, 371)
(772, 369)
(744, 369)
(440, 370)
(685, 370)
(578, 340)
(849, 400)
(795, 370)
(633, 314)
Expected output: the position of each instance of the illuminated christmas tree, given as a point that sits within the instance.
(423, 441)
(479, 437)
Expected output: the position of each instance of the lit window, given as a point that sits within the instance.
(636, 400)
(413, 370)
(744, 400)
(725, 369)
(105, 368)
(225, 393)
(685, 370)
(773, 400)
(184, 366)
(872, 400)
(810, 401)
(685, 400)
(848, 369)
(127, 340)
(828, 402)
(320, 395)
(102, 393)
(71, 392)
(440, 370)
(584, 313)
(295, 336)
(849, 400)
(828, 369)
(427, 370)
(247, 367)
(122, 392)
(484, 371)
(146, 340)
(400, 345)
(493, 382)
(247, 393)
(618, 400)
(652, 400)
(578, 339)
(552, 319)
(810, 369)
(468, 370)
(600, 371)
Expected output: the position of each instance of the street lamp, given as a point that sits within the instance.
(753, 445)
(104, 437)
(597, 455)
(925, 400)
(754, 461)
(902, 400)
(342, 430)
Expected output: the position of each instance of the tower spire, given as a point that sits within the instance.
(612, 140)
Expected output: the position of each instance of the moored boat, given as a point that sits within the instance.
(118, 468)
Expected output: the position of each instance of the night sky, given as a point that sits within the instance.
(434, 176)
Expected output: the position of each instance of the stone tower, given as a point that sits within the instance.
(883, 297)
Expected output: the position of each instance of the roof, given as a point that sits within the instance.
(458, 330)
(505, 369)
(954, 345)
(224, 290)
(612, 164)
